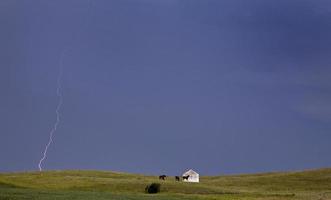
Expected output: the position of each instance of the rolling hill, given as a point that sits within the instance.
(59, 185)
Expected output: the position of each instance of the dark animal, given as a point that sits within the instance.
(186, 177)
(162, 177)
(177, 178)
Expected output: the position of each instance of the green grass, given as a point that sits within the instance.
(60, 185)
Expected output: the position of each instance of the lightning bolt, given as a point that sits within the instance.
(57, 111)
(59, 94)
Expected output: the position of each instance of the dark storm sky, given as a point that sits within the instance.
(160, 86)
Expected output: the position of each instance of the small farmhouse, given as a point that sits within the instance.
(193, 176)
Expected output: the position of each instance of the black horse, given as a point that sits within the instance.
(177, 178)
(162, 177)
(186, 177)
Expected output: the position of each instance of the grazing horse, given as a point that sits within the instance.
(162, 177)
(186, 177)
(177, 178)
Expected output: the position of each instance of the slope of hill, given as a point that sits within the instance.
(60, 185)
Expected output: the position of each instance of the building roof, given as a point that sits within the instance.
(190, 172)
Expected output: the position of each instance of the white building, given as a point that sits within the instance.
(193, 176)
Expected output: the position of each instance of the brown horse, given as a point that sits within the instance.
(177, 178)
(162, 177)
(186, 177)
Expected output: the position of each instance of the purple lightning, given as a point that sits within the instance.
(57, 111)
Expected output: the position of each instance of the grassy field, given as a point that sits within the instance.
(59, 185)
